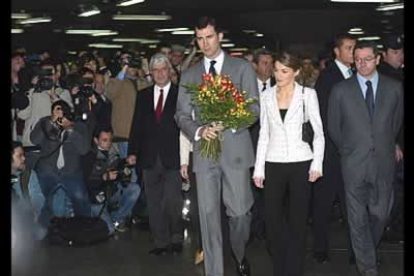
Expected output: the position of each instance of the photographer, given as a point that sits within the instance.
(63, 141)
(108, 178)
(22, 213)
(43, 94)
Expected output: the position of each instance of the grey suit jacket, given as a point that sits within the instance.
(367, 148)
(237, 148)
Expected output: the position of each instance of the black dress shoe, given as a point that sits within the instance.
(321, 257)
(176, 248)
(243, 268)
(158, 251)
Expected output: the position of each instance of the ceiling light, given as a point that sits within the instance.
(249, 31)
(369, 38)
(141, 17)
(17, 31)
(140, 40)
(227, 45)
(366, 1)
(189, 32)
(129, 3)
(225, 40)
(152, 46)
(88, 11)
(20, 16)
(36, 20)
(258, 35)
(171, 30)
(380, 46)
(356, 32)
(390, 7)
(239, 49)
(105, 33)
(106, 46)
(89, 32)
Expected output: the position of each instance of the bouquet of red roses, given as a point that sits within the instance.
(220, 103)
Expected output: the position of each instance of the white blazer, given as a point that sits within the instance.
(281, 141)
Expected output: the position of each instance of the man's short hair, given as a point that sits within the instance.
(392, 41)
(15, 145)
(204, 21)
(85, 70)
(367, 44)
(103, 128)
(159, 58)
(62, 104)
(259, 52)
(178, 48)
(339, 39)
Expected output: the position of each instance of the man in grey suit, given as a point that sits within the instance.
(228, 178)
(364, 116)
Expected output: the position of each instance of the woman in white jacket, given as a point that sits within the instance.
(288, 163)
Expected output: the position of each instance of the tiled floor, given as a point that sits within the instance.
(128, 256)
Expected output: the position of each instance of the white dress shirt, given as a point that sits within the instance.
(165, 90)
(344, 69)
(218, 65)
(260, 84)
(281, 141)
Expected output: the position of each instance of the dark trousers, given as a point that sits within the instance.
(286, 227)
(75, 189)
(257, 228)
(163, 190)
(325, 190)
(195, 217)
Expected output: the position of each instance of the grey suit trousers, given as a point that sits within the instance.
(369, 205)
(234, 187)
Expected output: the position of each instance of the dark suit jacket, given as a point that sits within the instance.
(149, 139)
(367, 148)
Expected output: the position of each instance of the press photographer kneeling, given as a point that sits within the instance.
(108, 178)
(63, 141)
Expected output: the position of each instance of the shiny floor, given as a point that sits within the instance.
(128, 256)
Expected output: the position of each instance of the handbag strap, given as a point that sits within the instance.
(303, 106)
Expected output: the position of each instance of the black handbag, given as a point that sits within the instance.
(307, 130)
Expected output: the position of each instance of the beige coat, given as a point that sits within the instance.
(123, 96)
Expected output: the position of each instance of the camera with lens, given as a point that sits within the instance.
(124, 171)
(81, 100)
(132, 62)
(44, 82)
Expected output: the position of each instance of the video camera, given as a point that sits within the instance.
(123, 169)
(132, 62)
(44, 82)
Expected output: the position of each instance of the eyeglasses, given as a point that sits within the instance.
(365, 60)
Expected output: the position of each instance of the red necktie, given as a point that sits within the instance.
(158, 109)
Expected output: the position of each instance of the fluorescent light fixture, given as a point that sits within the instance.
(89, 32)
(140, 40)
(20, 16)
(171, 30)
(72, 52)
(189, 32)
(17, 31)
(225, 40)
(380, 46)
(152, 46)
(106, 46)
(366, 1)
(105, 34)
(370, 38)
(356, 32)
(89, 13)
(227, 45)
(129, 3)
(239, 49)
(141, 17)
(35, 20)
(249, 31)
(390, 7)
(258, 35)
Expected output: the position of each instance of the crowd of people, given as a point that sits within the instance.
(109, 137)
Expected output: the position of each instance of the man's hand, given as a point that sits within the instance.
(65, 123)
(314, 175)
(35, 79)
(184, 171)
(399, 155)
(74, 91)
(210, 132)
(145, 66)
(258, 181)
(53, 95)
(131, 159)
(93, 99)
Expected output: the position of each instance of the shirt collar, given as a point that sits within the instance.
(165, 89)
(219, 62)
(344, 69)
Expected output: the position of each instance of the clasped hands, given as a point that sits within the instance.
(209, 132)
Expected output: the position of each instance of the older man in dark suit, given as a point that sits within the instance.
(364, 116)
(154, 141)
(229, 178)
